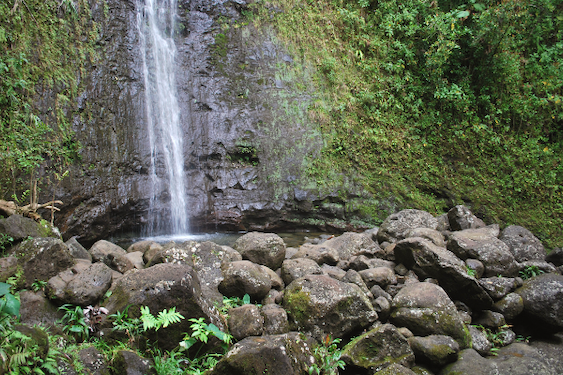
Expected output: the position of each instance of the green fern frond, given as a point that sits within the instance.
(169, 317)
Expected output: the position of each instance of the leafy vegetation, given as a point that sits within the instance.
(327, 358)
(530, 271)
(432, 104)
(44, 49)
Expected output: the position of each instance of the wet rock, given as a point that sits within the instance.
(429, 260)
(434, 350)
(379, 348)
(397, 226)
(425, 309)
(174, 253)
(323, 305)
(244, 277)
(460, 218)
(127, 362)
(42, 258)
(522, 244)
(395, 369)
(293, 269)
(549, 349)
(521, 359)
(142, 246)
(286, 354)
(275, 320)
(267, 249)
(543, 298)
(159, 287)
(151, 251)
(245, 321)
(105, 251)
(132, 260)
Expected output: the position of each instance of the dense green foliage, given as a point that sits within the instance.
(436, 103)
(44, 48)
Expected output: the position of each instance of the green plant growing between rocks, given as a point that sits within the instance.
(530, 271)
(327, 358)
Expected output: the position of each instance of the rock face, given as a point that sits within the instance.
(242, 173)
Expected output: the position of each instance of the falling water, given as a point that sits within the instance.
(156, 23)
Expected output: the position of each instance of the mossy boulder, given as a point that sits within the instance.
(425, 309)
(379, 348)
(323, 305)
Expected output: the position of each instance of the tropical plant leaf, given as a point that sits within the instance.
(4, 289)
(12, 305)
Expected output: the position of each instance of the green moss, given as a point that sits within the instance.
(298, 304)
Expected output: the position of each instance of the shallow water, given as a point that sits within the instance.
(294, 239)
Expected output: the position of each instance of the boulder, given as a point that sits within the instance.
(489, 319)
(479, 341)
(35, 308)
(395, 369)
(347, 244)
(245, 321)
(275, 320)
(20, 228)
(267, 249)
(320, 254)
(429, 260)
(126, 362)
(397, 226)
(522, 359)
(244, 277)
(470, 362)
(510, 306)
(159, 287)
(8, 267)
(323, 305)
(42, 258)
(287, 354)
(93, 361)
(543, 298)
(460, 218)
(434, 350)
(86, 287)
(378, 348)
(381, 276)
(498, 287)
(77, 250)
(492, 252)
(174, 253)
(355, 278)
(105, 251)
(293, 269)
(555, 256)
(425, 309)
(522, 243)
(431, 235)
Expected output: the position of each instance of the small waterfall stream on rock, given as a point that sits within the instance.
(156, 25)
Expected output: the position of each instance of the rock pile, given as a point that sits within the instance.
(419, 295)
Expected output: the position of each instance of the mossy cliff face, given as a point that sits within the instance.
(247, 135)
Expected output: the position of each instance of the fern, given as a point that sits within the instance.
(148, 319)
(169, 317)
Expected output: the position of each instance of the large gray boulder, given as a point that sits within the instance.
(293, 269)
(429, 260)
(173, 252)
(434, 350)
(245, 277)
(267, 249)
(379, 348)
(492, 252)
(159, 287)
(105, 251)
(522, 243)
(425, 309)
(543, 298)
(42, 258)
(287, 354)
(323, 305)
(245, 321)
(86, 287)
(398, 225)
(348, 244)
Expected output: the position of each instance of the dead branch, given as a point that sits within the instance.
(30, 210)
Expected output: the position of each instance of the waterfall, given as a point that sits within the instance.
(156, 25)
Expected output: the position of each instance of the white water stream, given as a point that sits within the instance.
(156, 25)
